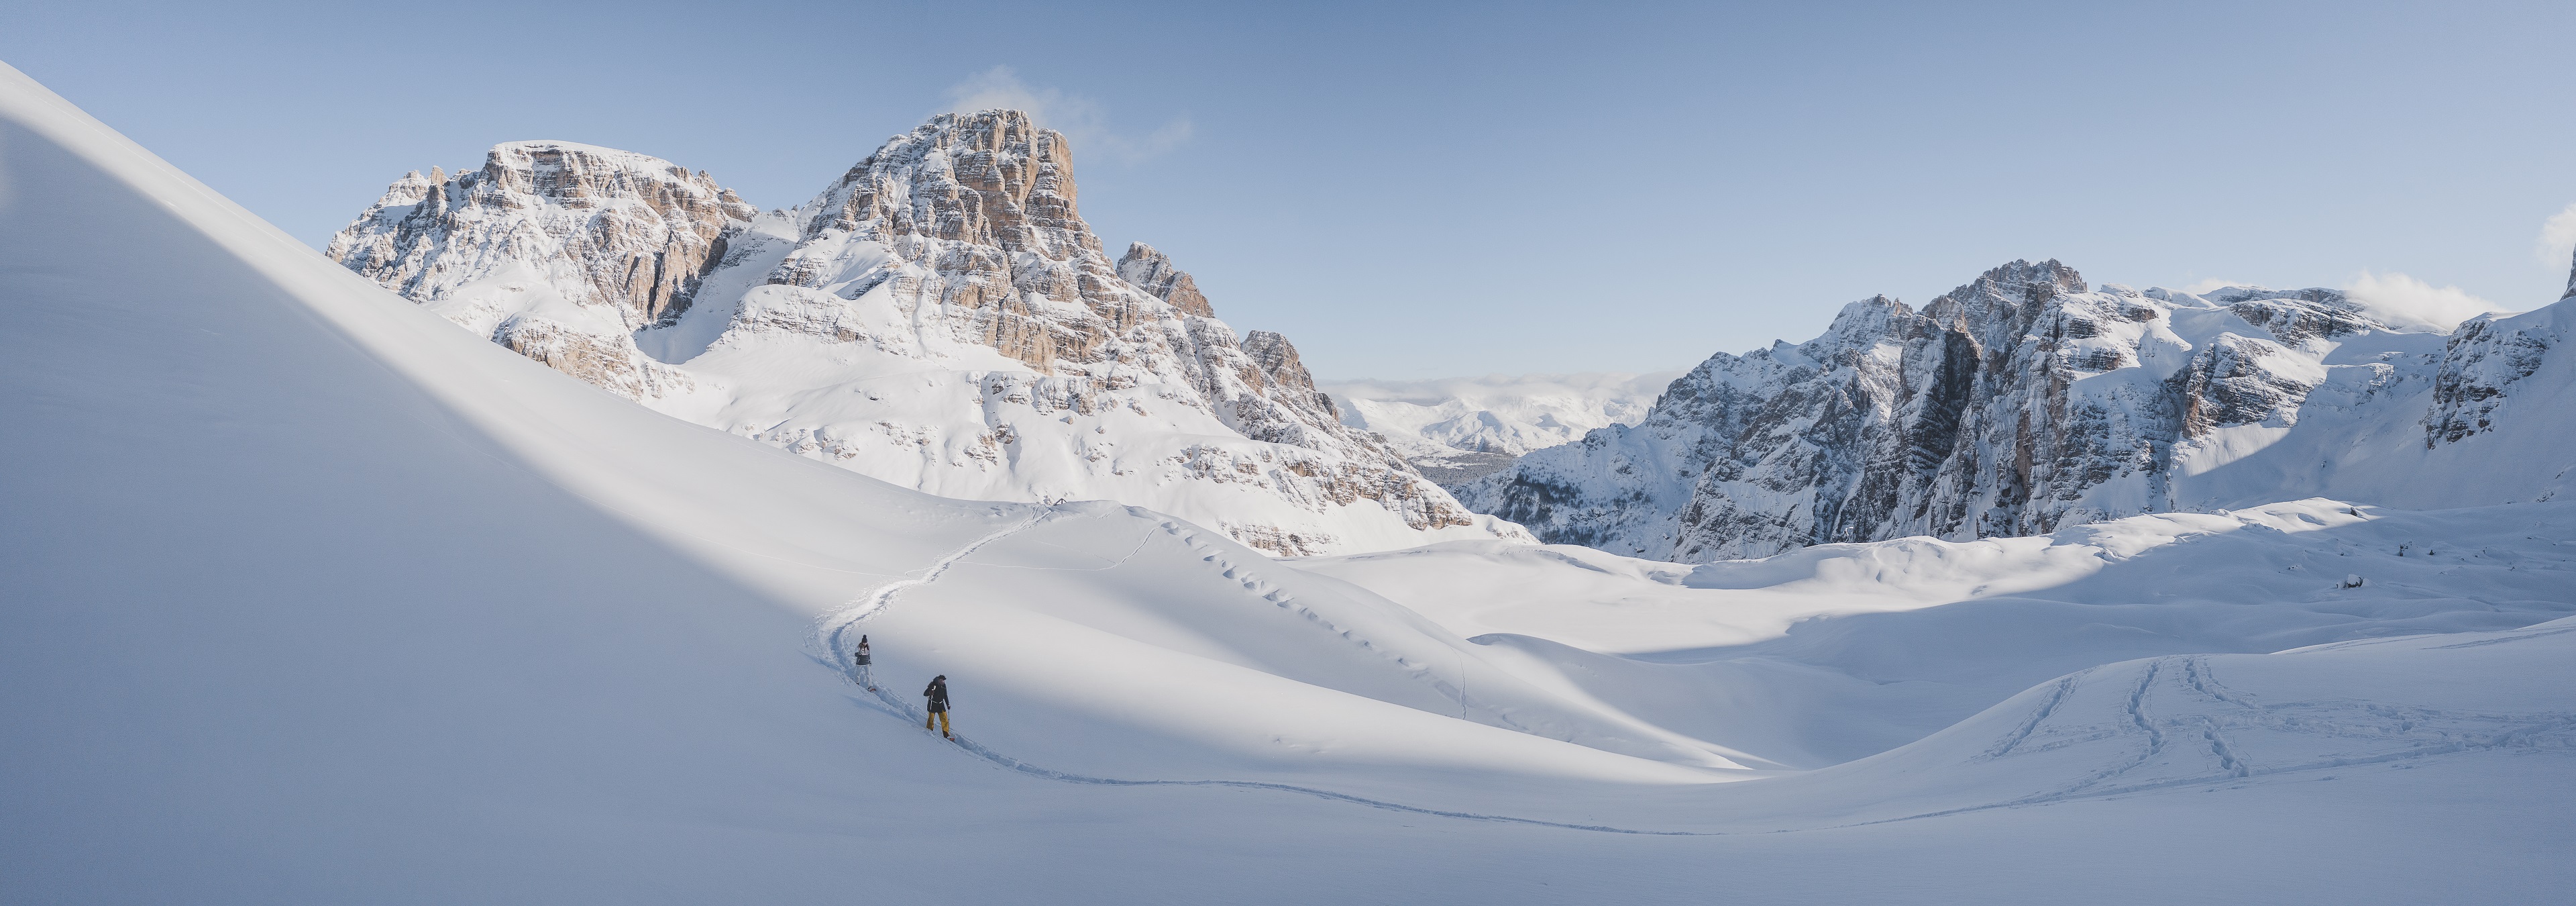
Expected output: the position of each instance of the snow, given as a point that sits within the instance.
(1457, 429)
(314, 598)
(1047, 377)
(1906, 636)
(2105, 402)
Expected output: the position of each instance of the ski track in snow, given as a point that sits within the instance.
(2065, 684)
(2136, 717)
(836, 626)
(1273, 593)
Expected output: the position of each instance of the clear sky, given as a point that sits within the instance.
(1425, 190)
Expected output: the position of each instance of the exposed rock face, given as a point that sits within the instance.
(939, 317)
(554, 249)
(2012, 405)
(2485, 358)
(1150, 271)
(608, 227)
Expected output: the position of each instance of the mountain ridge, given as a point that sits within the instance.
(2024, 401)
(953, 256)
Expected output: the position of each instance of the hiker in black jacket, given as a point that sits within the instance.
(859, 659)
(938, 695)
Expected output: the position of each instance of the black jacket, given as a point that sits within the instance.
(938, 693)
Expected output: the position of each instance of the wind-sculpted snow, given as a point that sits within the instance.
(312, 598)
(1833, 652)
(940, 317)
(2023, 402)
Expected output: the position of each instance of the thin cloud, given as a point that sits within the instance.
(2557, 238)
(2402, 301)
(1081, 119)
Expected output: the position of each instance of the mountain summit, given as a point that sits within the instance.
(2023, 401)
(940, 317)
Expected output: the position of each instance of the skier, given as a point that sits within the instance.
(859, 659)
(938, 694)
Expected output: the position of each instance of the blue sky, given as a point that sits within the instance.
(1428, 190)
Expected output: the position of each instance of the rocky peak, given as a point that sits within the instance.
(2005, 302)
(981, 206)
(627, 231)
(2016, 403)
(2571, 279)
(862, 327)
(1152, 271)
(1276, 359)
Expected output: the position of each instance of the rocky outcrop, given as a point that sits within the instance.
(1275, 360)
(940, 316)
(2015, 404)
(2480, 366)
(606, 227)
(1150, 271)
(554, 249)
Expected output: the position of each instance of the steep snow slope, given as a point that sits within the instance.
(1459, 429)
(2023, 402)
(313, 598)
(939, 317)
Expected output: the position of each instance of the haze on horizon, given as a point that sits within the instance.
(1455, 190)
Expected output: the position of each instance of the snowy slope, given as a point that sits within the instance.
(2024, 401)
(939, 317)
(1458, 429)
(314, 598)
(1837, 651)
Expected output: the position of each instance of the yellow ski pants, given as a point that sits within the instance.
(941, 717)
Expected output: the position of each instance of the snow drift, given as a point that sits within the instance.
(312, 597)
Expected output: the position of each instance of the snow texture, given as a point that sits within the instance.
(312, 597)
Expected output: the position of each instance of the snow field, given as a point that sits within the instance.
(312, 597)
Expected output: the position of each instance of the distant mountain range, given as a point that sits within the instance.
(941, 317)
(2027, 400)
(1458, 429)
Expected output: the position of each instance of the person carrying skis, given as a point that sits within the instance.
(859, 659)
(938, 695)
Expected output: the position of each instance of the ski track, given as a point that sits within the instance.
(2065, 684)
(836, 625)
(2308, 718)
(1276, 595)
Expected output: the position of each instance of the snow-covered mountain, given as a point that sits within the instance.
(2025, 401)
(940, 317)
(311, 598)
(1457, 429)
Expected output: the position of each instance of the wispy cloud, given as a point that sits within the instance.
(2557, 238)
(1081, 119)
(2403, 301)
